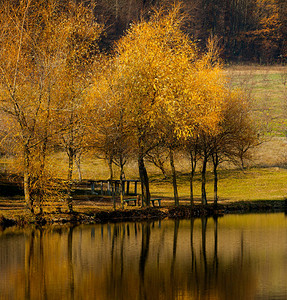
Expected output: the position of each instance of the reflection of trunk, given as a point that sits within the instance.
(193, 256)
(175, 192)
(70, 264)
(42, 259)
(175, 234)
(143, 259)
(144, 179)
(29, 250)
(122, 252)
(242, 247)
(112, 249)
(27, 180)
(191, 241)
(160, 244)
(203, 240)
(144, 249)
(215, 260)
(203, 181)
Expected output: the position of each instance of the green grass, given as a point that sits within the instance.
(267, 87)
(234, 185)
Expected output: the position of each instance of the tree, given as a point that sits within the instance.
(163, 80)
(39, 43)
(236, 135)
(81, 57)
(240, 129)
(109, 133)
(158, 157)
(26, 81)
(192, 148)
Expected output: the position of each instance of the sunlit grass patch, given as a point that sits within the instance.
(254, 184)
(235, 185)
(267, 88)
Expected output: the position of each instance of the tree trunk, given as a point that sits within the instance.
(70, 177)
(193, 153)
(110, 163)
(203, 181)
(144, 179)
(191, 188)
(193, 167)
(78, 164)
(40, 180)
(174, 183)
(113, 194)
(215, 185)
(122, 190)
(215, 165)
(27, 180)
(160, 165)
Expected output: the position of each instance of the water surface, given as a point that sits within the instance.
(233, 257)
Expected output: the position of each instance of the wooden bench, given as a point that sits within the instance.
(135, 201)
(153, 200)
(131, 200)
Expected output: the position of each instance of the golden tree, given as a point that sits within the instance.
(41, 42)
(109, 133)
(82, 55)
(235, 136)
(164, 82)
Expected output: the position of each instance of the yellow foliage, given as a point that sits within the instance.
(164, 81)
(45, 51)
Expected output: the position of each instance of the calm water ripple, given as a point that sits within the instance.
(233, 257)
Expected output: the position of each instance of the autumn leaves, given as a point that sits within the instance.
(46, 51)
(58, 90)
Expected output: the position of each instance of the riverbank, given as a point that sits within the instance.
(93, 216)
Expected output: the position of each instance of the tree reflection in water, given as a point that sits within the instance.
(190, 259)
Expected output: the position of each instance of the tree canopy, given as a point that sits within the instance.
(156, 90)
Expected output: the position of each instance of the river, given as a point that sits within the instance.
(231, 257)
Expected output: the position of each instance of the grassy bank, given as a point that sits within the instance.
(265, 178)
(104, 215)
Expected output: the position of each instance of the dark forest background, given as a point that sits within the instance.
(247, 30)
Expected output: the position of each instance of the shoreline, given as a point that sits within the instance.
(98, 216)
